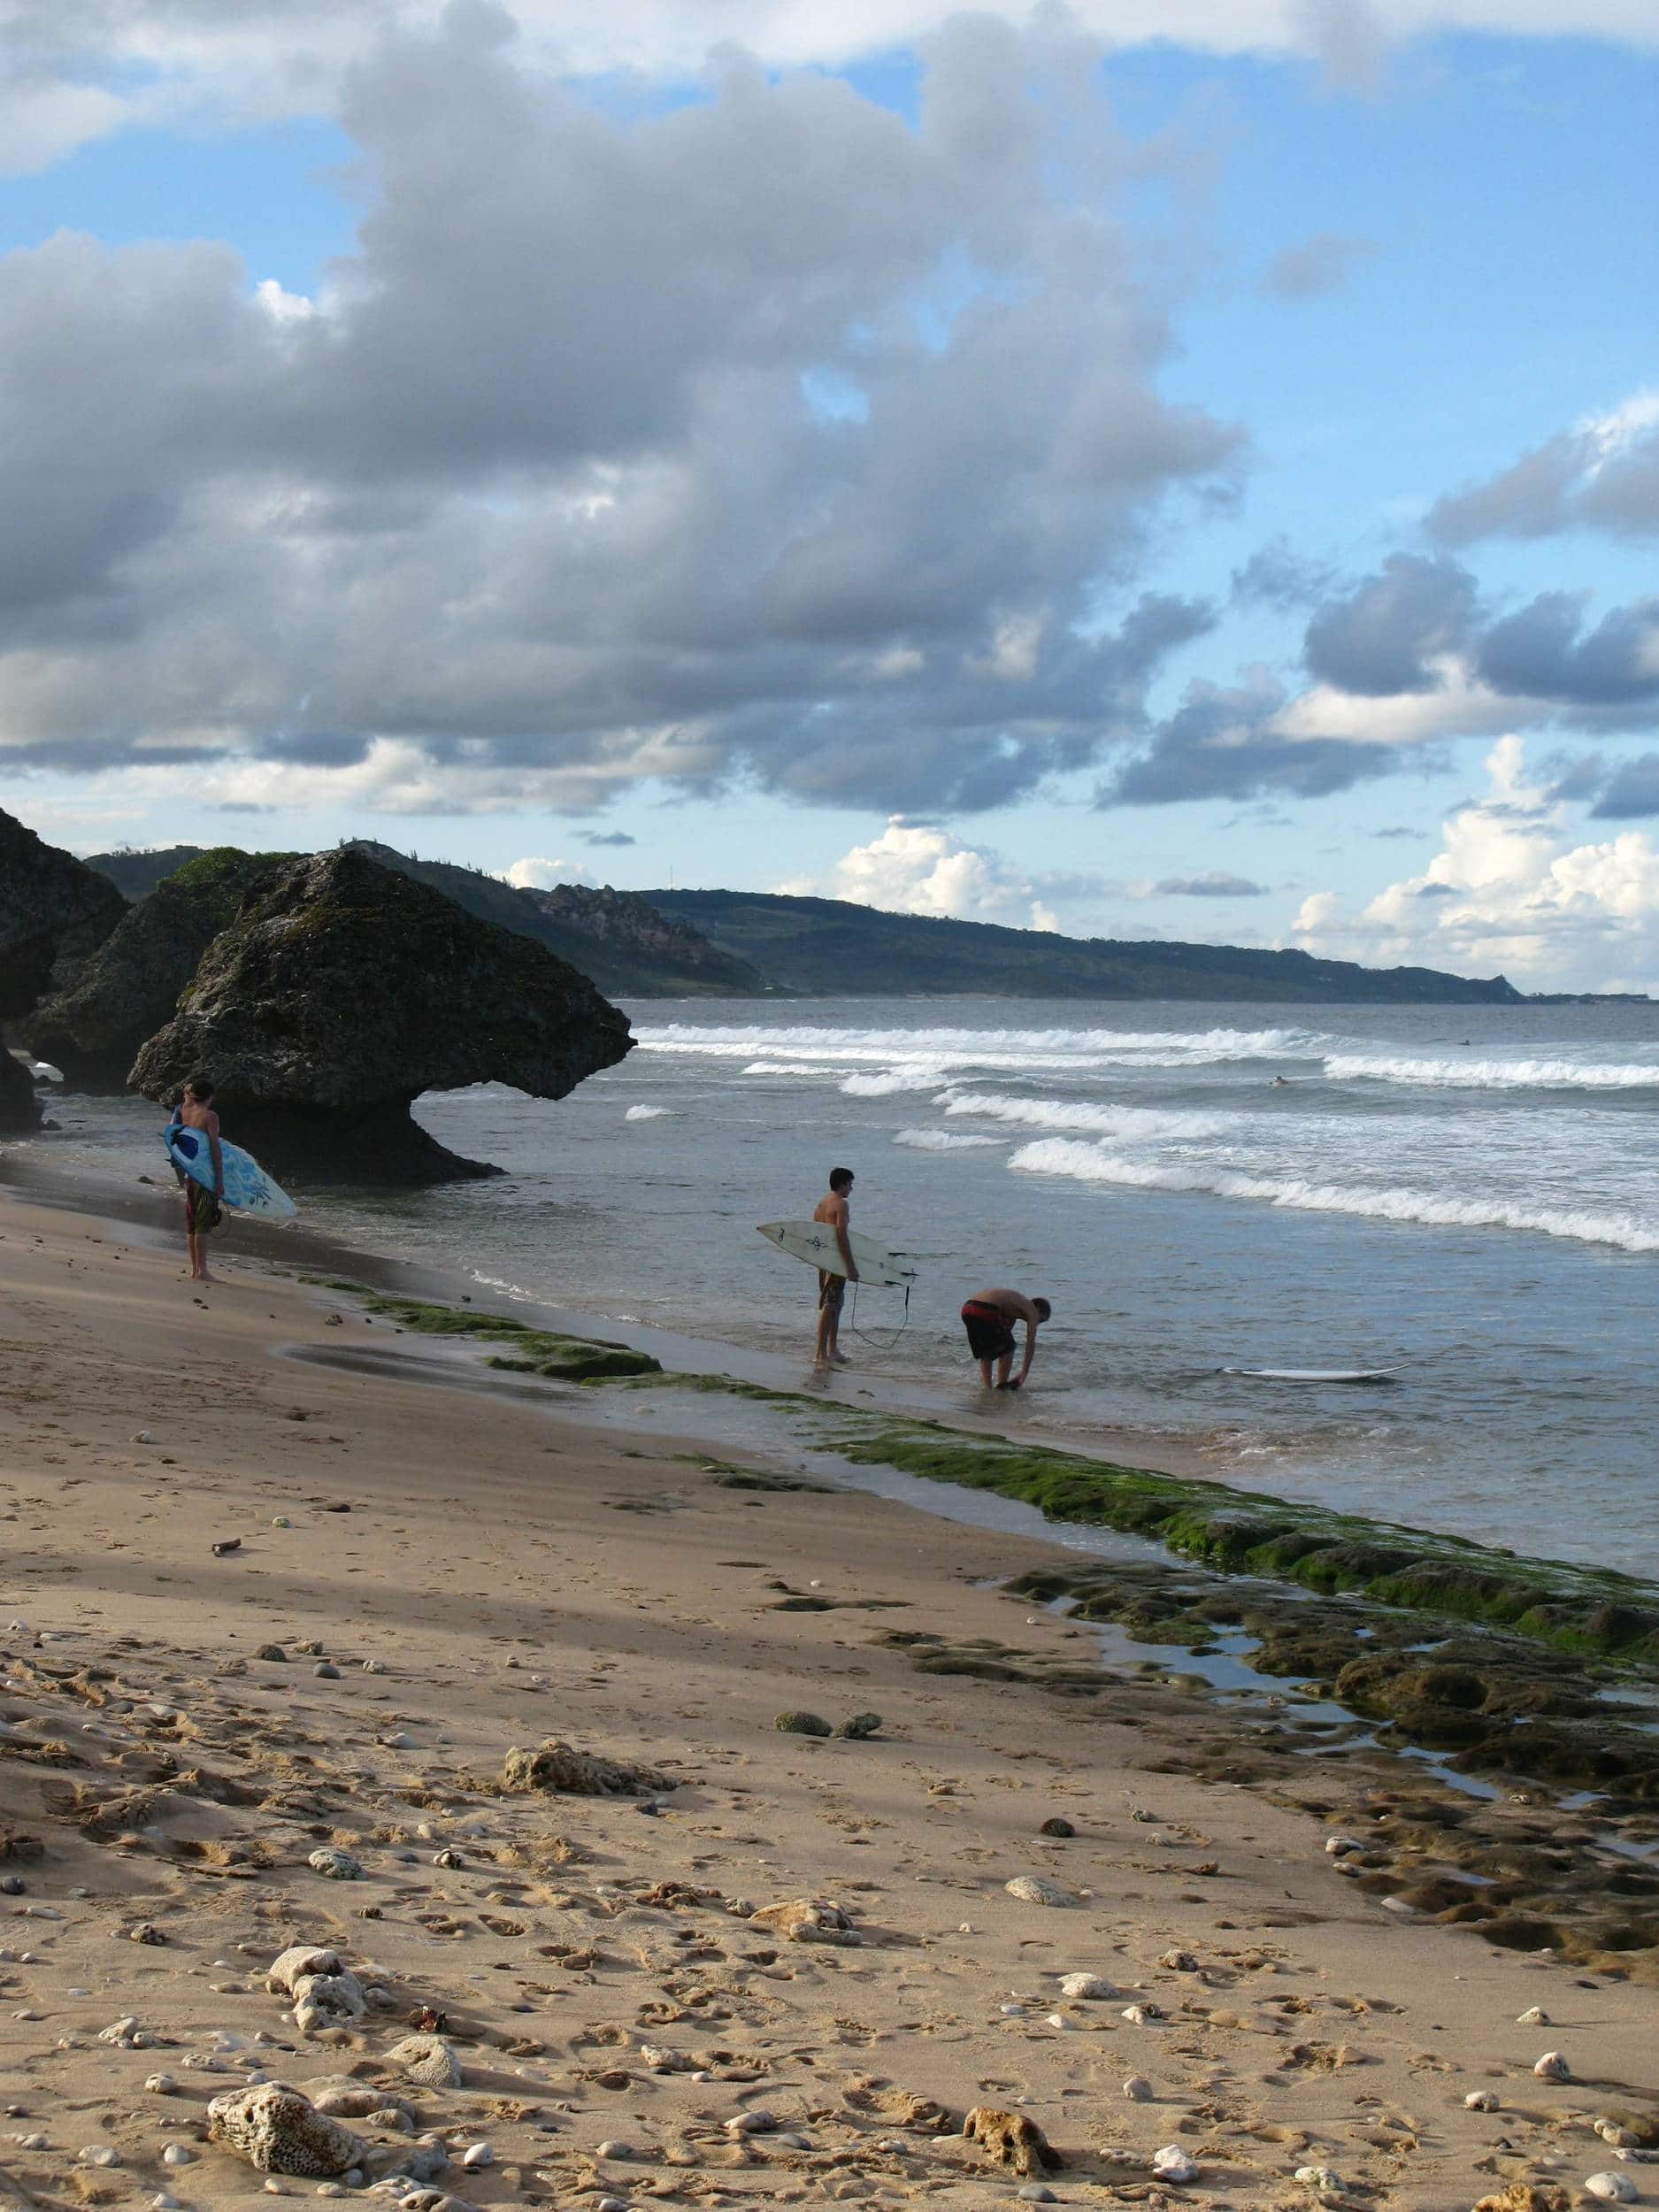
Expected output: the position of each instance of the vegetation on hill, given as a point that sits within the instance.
(830, 946)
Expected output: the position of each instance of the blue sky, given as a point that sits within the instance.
(501, 520)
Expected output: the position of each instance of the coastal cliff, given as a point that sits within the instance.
(131, 984)
(341, 992)
(54, 913)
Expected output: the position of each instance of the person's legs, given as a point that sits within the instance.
(827, 1353)
(1004, 1366)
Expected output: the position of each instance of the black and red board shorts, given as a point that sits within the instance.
(989, 1336)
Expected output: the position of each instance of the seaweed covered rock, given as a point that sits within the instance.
(131, 984)
(54, 913)
(341, 992)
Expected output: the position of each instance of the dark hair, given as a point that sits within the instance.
(1043, 1308)
(200, 1088)
(840, 1177)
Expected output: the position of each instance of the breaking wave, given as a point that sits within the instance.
(1497, 1075)
(1134, 1124)
(803, 1047)
(1091, 1163)
(943, 1141)
(646, 1113)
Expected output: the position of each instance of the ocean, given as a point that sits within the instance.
(1470, 1195)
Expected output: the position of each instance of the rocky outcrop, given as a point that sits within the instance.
(344, 990)
(19, 1106)
(54, 911)
(133, 982)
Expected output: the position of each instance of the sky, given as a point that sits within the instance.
(1173, 468)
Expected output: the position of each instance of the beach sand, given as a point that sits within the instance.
(448, 1575)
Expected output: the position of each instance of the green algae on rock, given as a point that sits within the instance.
(1594, 1611)
(535, 1351)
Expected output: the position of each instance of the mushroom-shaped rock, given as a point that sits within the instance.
(281, 2131)
(341, 992)
(54, 911)
(131, 984)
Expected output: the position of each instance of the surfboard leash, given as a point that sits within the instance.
(881, 1344)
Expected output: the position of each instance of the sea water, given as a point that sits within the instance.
(1470, 1195)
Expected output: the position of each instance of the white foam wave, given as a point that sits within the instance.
(646, 1113)
(943, 1140)
(917, 1076)
(829, 1047)
(1499, 1075)
(772, 1067)
(1091, 1163)
(1133, 1125)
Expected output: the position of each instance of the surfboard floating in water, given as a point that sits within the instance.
(816, 1243)
(246, 1186)
(1315, 1374)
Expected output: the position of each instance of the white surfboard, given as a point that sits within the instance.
(1316, 1374)
(816, 1243)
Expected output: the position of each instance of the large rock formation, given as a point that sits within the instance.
(343, 991)
(19, 1106)
(54, 911)
(132, 983)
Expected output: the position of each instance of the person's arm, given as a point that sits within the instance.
(1031, 1346)
(846, 1248)
(218, 1158)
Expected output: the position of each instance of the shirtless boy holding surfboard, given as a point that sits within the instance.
(201, 1205)
(989, 1317)
(831, 1210)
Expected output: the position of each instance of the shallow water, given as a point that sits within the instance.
(1468, 1194)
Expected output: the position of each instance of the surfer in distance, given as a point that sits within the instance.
(201, 1205)
(831, 1210)
(989, 1317)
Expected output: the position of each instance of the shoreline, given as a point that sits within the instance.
(511, 1565)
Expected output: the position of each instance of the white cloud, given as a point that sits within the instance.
(1508, 890)
(532, 873)
(175, 61)
(914, 869)
(1460, 706)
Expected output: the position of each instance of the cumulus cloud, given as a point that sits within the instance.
(536, 874)
(1405, 658)
(540, 494)
(1228, 741)
(1602, 473)
(1315, 267)
(606, 837)
(1510, 890)
(915, 868)
(79, 67)
(1384, 637)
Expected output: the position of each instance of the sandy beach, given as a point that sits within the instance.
(270, 1632)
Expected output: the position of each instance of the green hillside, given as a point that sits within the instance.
(827, 946)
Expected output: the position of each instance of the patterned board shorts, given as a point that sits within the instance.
(832, 1290)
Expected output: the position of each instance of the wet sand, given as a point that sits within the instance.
(606, 1973)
